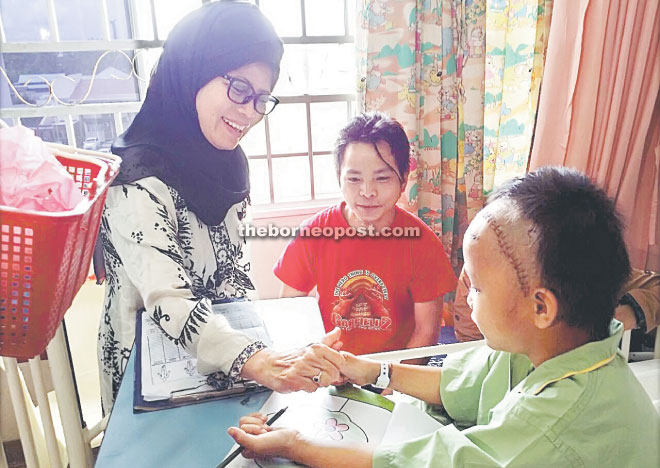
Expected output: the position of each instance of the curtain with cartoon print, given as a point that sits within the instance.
(516, 40)
(462, 77)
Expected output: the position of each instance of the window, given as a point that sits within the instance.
(50, 49)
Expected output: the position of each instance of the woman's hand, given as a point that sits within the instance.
(314, 366)
(358, 370)
(260, 440)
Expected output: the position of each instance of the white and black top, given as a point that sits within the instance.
(160, 257)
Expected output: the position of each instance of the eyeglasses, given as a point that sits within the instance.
(240, 91)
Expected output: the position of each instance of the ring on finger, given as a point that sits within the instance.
(317, 378)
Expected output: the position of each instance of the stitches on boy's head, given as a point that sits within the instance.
(506, 248)
(516, 239)
(580, 254)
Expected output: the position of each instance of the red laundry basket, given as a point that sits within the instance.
(45, 257)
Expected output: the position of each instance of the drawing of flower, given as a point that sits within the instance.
(332, 428)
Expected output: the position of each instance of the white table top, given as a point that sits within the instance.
(648, 373)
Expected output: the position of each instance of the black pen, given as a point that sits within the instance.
(238, 451)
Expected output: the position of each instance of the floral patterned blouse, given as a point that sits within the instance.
(161, 258)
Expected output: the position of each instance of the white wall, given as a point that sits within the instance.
(265, 252)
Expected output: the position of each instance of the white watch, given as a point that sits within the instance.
(383, 379)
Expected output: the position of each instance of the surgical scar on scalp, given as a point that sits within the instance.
(506, 247)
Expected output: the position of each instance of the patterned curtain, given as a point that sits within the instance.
(516, 40)
(432, 65)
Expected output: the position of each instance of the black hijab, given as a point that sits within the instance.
(165, 139)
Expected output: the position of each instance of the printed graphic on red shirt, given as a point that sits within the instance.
(361, 298)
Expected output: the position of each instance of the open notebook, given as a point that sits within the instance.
(344, 415)
(166, 375)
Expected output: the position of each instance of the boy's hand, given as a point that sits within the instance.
(295, 370)
(332, 339)
(260, 440)
(254, 423)
(360, 371)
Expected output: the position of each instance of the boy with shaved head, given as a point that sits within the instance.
(546, 260)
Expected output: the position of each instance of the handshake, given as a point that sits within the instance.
(316, 365)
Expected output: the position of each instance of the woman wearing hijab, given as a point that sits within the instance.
(170, 224)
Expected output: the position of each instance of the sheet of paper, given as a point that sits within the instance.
(168, 369)
(291, 322)
(320, 415)
(407, 423)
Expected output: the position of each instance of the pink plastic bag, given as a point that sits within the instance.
(31, 178)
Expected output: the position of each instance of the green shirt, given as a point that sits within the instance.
(583, 408)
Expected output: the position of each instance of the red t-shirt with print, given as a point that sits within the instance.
(367, 286)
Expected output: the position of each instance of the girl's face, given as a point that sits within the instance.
(370, 187)
(223, 122)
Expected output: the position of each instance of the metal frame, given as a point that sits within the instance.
(426, 351)
(77, 109)
(3, 456)
(52, 20)
(309, 149)
(625, 346)
(3, 38)
(79, 46)
(77, 437)
(20, 411)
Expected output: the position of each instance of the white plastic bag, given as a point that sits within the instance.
(31, 178)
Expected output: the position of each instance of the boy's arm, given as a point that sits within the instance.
(422, 382)
(427, 326)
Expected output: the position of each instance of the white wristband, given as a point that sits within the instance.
(383, 379)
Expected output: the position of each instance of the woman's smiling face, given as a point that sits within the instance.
(223, 122)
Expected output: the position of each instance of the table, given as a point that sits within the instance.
(189, 436)
(648, 374)
(196, 435)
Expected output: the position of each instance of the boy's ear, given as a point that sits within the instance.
(546, 307)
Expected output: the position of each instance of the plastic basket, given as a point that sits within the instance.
(45, 257)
